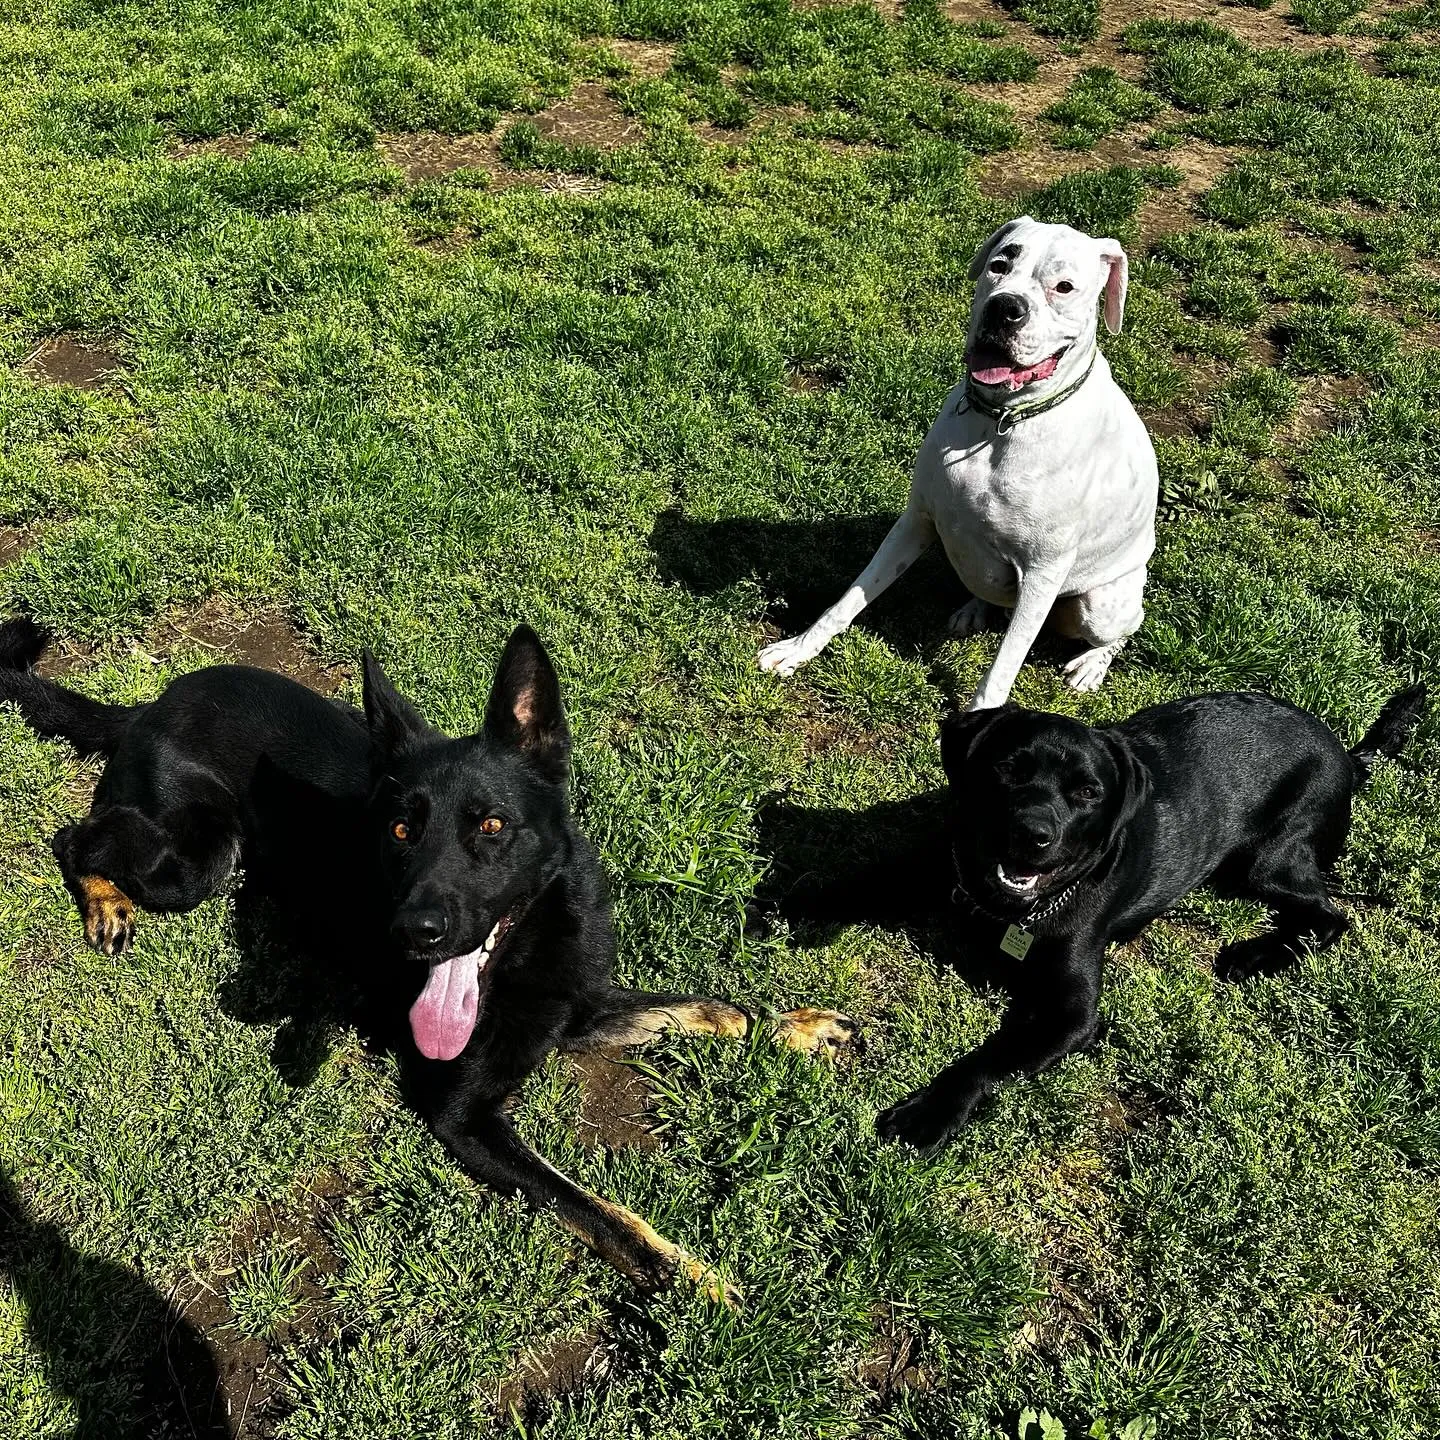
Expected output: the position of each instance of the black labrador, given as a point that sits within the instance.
(1062, 839)
(449, 873)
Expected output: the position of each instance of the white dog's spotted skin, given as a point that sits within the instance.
(1050, 515)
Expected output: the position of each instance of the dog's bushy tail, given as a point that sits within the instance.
(50, 709)
(1392, 728)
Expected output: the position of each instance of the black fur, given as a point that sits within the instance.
(1241, 791)
(372, 831)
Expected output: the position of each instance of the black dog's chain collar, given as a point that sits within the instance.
(1006, 416)
(1019, 936)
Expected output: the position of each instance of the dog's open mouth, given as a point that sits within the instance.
(990, 365)
(1018, 882)
(443, 1018)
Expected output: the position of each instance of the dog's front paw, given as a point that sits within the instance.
(109, 915)
(1260, 955)
(1088, 671)
(785, 657)
(972, 618)
(815, 1032)
(925, 1120)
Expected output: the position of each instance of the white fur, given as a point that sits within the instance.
(1054, 519)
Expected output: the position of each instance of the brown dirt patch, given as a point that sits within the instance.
(588, 116)
(1320, 399)
(558, 1367)
(1169, 211)
(425, 155)
(248, 1375)
(1277, 29)
(614, 1101)
(231, 147)
(266, 640)
(15, 540)
(66, 360)
(646, 58)
(892, 1364)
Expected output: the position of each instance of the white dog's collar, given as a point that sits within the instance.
(1006, 416)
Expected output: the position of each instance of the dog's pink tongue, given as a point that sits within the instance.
(443, 1018)
(1005, 374)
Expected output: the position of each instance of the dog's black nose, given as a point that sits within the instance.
(1036, 832)
(1007, 311)
(421, 928)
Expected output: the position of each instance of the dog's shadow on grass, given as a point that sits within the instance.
(119, 1351)
(803, 566)
(887, 865)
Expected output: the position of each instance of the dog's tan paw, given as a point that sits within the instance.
(815, 1032)
(711, 1283)
(109, 915)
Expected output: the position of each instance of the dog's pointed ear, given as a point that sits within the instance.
(392, 719)
(1135, 784)
(525, 710)
(960, 732)
(983, 253)
(1117, 282)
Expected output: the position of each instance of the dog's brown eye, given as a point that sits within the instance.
(491, 825)
(400, 831)
(1064, 287)
(1086, 792)
(999, 266)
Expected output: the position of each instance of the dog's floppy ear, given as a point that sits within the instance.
(525, 709)
(1117, 282)
(961, 732)
(1135, 786)
(982, 254)
(392, 719)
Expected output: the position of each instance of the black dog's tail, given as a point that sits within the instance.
(1392, 728)
(50, 709)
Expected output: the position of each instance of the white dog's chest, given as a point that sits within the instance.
(1048, 490)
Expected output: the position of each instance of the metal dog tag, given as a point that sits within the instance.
(1017, 942)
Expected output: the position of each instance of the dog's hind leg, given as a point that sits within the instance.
(1286, 876)
(489, 1149)
(1104, 618)
(634, 1017)
(120, 857)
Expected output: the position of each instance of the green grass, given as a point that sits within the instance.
(411, 415)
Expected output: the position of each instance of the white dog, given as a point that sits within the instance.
(1038, 475)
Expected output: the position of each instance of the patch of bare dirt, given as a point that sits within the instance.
(1320, 400)
(646, 58)
(806, 379)
(1278, 29)
(425, 155)
(588, 116)
(892, 1364)
(231, 147)
(266, 640)
(559, 1367)
(67, 360)
(1169, 211)
(248, 1397)
(15, 540)
(614, 1103)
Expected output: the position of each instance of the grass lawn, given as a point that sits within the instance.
(327, 323)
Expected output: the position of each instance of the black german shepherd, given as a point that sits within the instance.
(448, 872)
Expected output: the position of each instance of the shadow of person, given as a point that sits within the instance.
(803, 566)
(125, 1357)
(887, 865)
